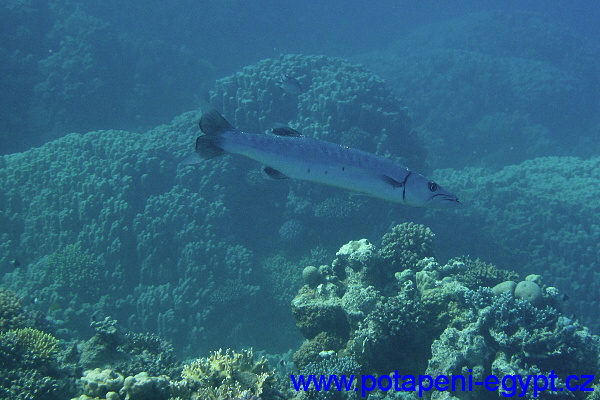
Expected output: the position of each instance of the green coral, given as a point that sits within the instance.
(309, 350)
(337, 208)
(32, 344)
(29, 359)
(228, 374)
(319, 310)
(282, 278)
(441, 307)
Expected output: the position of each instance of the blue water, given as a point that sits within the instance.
(99, 105)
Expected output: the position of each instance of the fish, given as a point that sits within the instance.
(286, 153)
(290, 85)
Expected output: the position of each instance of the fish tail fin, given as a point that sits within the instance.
(213, 125)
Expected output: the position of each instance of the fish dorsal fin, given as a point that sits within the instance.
(282, 130)
(391, 181)
(273, 173)
(212, 123)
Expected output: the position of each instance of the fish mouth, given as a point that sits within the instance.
(444, 201)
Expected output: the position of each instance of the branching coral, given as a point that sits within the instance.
(406, 244)
(35, 346)
(75, 270)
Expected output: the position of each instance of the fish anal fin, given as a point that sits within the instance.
(283, 130)
(273, 173)
(391, 181)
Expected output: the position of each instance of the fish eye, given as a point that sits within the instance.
(432, 186)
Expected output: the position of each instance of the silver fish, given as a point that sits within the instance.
(288, 154)
(290, 85)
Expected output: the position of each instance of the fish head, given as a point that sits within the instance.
(420, 191)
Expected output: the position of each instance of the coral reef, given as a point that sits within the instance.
(69, 71)
(126, 352)
(221, 376)
(116, 200)
(228, 374)
(406, 244)
(32, 346)
(30, 365)
(341, 103)
(419, 316)
(291, 230)
(534, 229)
(109, 223)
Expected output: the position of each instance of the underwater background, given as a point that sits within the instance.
(123, 273)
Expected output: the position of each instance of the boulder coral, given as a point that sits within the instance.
(340, 102)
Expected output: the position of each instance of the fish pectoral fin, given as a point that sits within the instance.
(353, 195)
(273, 173)
(192, 159)
(391, 181)
(283, 130)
